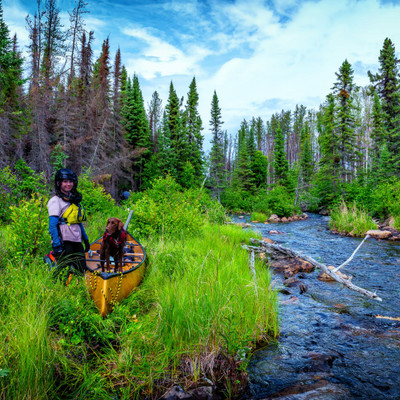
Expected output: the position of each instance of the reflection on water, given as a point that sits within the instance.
(332, 346)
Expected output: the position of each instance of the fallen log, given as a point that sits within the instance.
(277, 251)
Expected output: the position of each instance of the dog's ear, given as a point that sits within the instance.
(120, 225)
(108, 221)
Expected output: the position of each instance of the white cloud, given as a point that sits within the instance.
(14, 15)
(296, 61)
(162, 58)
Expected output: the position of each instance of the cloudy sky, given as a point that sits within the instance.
(259, 56)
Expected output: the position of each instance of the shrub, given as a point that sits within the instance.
(385, 200)
(277, 201)
(27, 232)
(95, 197)
(18, 184)
(237, 200)
(166, 210)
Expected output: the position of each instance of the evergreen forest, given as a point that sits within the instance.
(61, 107)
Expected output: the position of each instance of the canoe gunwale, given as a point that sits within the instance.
(109, 275)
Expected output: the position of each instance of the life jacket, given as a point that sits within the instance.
(115, 242)
(74, 214)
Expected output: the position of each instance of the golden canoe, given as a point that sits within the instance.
(107, 289)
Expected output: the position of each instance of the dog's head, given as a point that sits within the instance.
(114, 225)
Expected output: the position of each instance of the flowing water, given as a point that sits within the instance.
(332, 346)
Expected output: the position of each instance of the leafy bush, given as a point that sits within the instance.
(27, 232)
(18, 184)
(237, 200)
(166, 210)
(95, 197)
(277, 201)
(385, 200)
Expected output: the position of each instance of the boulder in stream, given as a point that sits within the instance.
(378, 234)
(291, 266)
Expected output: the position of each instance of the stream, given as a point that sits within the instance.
(332, 346)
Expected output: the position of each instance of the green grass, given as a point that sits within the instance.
(353, 220)
(258, 216)
(198, 308)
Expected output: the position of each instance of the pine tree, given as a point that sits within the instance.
(379, 141)
(217, 162)
(281, 165)
(387, 84)
(260, 169)
(137, 132)
(344, 89)
(243, 176)
(155, 113)
(12, 109)
(306, 157)
(177, 136)
(328, 175)
(193, 126)
(259, 132)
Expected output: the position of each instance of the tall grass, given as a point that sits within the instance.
(197, 308)
(198, 313)
(204, 302)
(351, 219)
(27, 355)
(257, 216)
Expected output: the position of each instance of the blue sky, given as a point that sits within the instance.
(260, 56)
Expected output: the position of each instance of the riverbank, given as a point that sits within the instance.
(192, 323)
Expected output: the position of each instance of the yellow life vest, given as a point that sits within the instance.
(74, 214)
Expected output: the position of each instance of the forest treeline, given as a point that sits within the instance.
(89, 114)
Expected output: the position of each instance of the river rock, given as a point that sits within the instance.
(291, 266)
(378, 234)
(202, 393)
(176, 393)
(326, 278)
(284, 219)
(394, 238)
(274, 218)
(291, 282)
(267, 240)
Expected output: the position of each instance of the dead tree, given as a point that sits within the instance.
(275, 251)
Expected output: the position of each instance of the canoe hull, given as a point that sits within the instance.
(106, 293)
(108, 289)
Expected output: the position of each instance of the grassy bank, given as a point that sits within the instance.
(351, 220)
(198, 309)
(197, 315)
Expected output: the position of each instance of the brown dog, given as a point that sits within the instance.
(114, 239)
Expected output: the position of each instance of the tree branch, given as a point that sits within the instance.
(275, 249)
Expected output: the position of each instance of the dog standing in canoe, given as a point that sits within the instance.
(113, 243)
